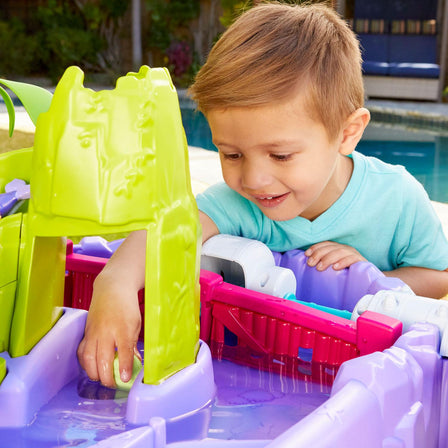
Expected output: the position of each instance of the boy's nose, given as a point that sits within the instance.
(255, 176)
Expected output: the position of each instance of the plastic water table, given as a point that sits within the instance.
(367, 394)
(284, 373)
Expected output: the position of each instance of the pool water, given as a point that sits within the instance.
(423, 153)
(249, 405)
(197, 129)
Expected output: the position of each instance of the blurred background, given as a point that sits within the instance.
(107, 38)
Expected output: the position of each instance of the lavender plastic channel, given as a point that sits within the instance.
(336, 289)
(26, 387)
(151, 436)
(188, 391)
(390, 399)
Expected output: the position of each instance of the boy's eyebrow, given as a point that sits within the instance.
(220, 143)
(274, 144)
(279, 143)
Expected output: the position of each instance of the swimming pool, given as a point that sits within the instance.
(423, 153)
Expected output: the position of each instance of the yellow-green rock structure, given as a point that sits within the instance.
(107, 162)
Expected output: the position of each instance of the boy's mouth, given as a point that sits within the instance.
(270, 201)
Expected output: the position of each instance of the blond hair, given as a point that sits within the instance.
(272, 50)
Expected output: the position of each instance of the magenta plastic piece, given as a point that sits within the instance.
(81, 272)
(336, 289)
(32, 380)
(274, 326)
(266, 324)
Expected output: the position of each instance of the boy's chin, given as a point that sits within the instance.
(277, 215)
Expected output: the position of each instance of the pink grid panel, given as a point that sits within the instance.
(280, 328)
(270, 331)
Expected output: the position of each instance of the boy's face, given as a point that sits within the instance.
(280, 159)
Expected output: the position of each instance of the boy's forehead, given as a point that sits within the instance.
(279, 125)
(295, 105)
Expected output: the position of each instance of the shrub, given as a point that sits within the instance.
(18, 51)
(64, 39)
(169, 36)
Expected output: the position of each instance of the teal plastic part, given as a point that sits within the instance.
(341, 313)
(136, 367)
(35, 99)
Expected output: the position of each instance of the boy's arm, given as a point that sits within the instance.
(114, 320)
(209, 228)
(424, 282)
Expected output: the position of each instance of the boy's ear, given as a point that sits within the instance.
(353, 130)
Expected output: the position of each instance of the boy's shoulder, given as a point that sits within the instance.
(376, 166)
(376, 171)
(376, 177)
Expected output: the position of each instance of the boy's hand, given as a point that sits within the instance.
(113, 323)
(328, 253)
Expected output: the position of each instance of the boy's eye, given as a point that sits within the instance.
(281, 157)
(232, 156)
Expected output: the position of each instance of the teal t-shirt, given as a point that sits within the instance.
(384, 213)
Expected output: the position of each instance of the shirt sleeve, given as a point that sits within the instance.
(419, 237)
(231, 213)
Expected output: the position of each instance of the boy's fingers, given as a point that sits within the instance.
(347, 262)
(317, 252)
(105, 361)
(125, 362)
(87, 359)
(315, 247)
(339, 262)
(137, 353)
(322, 257)
(339, 258)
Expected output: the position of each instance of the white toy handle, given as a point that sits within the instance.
(247, 263)
(410, 309)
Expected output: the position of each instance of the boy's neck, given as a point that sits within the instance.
(333, 191)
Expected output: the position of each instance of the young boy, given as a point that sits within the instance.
(283, 93)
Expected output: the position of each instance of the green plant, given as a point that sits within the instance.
(169, 37)
(232, 9)
(17, 49)
(81, 32)
(169, 21)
